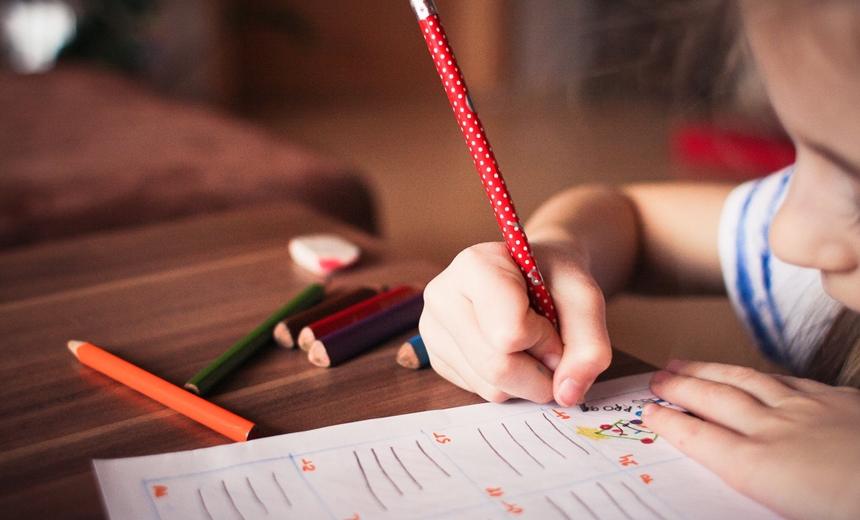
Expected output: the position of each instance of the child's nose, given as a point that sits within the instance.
(808, 231)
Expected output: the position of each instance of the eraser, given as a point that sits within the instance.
(322, 254)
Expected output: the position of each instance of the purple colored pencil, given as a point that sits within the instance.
(354, 339)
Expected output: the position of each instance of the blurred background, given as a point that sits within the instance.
(569, 91)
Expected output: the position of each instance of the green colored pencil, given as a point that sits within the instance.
(207, 378)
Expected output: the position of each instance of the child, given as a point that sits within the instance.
(788, 253)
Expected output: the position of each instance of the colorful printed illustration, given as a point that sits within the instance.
(632, 429)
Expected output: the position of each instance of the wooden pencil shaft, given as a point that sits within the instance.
(352, 314)
(203, 382)
(360, 336)
(327, 307)
(170, 395)
(206, 379)
(420, 351)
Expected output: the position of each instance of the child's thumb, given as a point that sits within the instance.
(587, 351)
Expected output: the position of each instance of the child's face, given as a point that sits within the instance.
(809, 56)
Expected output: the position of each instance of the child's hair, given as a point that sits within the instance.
(836, 361)
(697, 53)
(690, 53)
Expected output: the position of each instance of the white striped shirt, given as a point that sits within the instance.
(783, 307)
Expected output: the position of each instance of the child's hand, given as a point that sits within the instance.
(792, 444)
(482, 335)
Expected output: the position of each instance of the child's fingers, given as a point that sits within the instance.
(517, 374)
(500, 301)
(763, 387)
(713, 446)
(715, 402)
(447, 360)
(587, 351)
(442, 367)
(547, 347)
(801, 385)
(494, 375)
(509, 325)
(474, 384)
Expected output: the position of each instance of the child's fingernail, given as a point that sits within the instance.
(650, 408)
(569, 392)
(584, 391)
(660, 376)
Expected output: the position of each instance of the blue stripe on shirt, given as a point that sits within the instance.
(744, 285)
(766, 253)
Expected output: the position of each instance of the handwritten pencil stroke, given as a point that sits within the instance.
(402, 465)
(558, 508)
(230, 498)
(255, 495)
(431, 459)
(548, 445)
(644, 504)
(281, 488)
(518, 443)
(203, 503)
(367, 482)
(232, 502)
(584, 505)
(382, 469)
(612, 499)
(499, 455)
(563, 434)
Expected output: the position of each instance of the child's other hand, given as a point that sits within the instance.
(482, 335)
(792, 444)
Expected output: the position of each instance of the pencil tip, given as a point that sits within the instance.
(306, 339)
(74, 345)
(318, 356)
(192, 388)
(282, 335)
(406, 356)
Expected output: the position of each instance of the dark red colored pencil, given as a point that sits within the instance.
(353, 314)
(287, 331)
(354, 339)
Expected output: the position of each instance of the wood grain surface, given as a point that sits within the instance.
(170, 298)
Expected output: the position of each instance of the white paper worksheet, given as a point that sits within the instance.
(513, 460)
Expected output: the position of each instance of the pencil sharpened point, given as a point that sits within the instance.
(318, 356)
(192, 388)
(406, 357)
(74, 345)
(282, 336)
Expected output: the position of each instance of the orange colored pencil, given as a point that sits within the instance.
(172, 396)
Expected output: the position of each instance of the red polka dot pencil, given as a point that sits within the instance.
(483, 157)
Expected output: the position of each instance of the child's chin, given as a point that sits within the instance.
(844, 288)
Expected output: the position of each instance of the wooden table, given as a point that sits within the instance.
(170, 298)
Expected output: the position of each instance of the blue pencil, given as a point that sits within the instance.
(413, 353)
